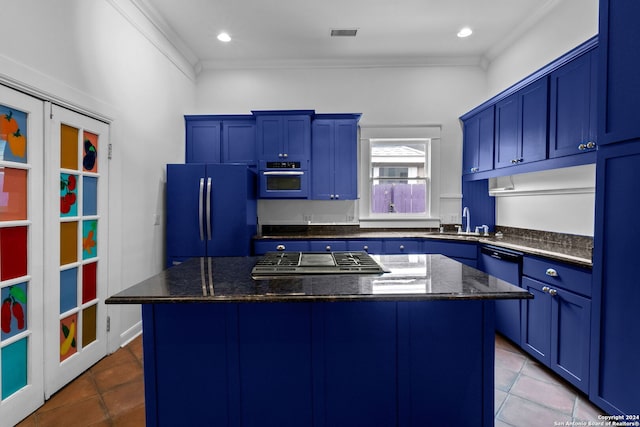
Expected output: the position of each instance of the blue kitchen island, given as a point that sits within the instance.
(410, 347)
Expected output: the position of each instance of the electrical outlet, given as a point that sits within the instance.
(306, 217)
(156, 219)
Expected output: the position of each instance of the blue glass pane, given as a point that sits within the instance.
(89, 195)
(68, 289)
(13, 135)
(14, 310)
(14, 367)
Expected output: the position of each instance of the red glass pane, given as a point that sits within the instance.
(89, 272)
(13, 252)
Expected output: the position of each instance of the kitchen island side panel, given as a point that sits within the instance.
(406, 363)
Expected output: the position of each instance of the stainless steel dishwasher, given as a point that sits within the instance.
(506, 265)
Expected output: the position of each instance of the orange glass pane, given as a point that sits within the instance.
(68, 242)
(13, 194)
(68, 147)
(90, 155)
(68, 336)
(89, 316)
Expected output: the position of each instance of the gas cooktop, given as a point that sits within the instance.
(284, 263)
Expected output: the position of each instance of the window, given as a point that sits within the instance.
(399, 177)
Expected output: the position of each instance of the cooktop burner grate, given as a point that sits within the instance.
(300, 263)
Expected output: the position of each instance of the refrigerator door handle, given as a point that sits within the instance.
(209, 208)
(200, 203)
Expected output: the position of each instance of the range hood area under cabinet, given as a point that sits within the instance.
(297, 154)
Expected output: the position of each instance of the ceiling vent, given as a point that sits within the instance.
(348, 32)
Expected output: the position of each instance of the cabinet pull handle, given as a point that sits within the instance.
(209, 208)
(200, 208)
(551, 272)
(546, 289)
(280, 248)
(553, 292)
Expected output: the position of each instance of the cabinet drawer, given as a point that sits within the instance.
(451, 249)
(402, 246)
(260, 247)
(327, 245)
(370, 246)
(558, 274)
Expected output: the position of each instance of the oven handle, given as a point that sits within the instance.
(296, 173)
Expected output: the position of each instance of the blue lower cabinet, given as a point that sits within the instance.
(371, 246)
(260, 247)
(327, 245)
(402, 246)
(466, 253)
(376, 363)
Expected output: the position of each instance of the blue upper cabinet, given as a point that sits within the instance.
(202, 140)
(284, 136)
(334, 154)
(618, 89)
(521, 125)
(220, 139)
(572, 122)
(478, 142)
(239, 141)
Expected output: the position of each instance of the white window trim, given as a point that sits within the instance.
(429, 220)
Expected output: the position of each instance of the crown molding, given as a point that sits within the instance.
(148, 22)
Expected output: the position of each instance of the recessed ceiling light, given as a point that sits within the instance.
(465, 32)
(224, 37)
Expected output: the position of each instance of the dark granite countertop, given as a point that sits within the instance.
(576, 250)
(228, 279)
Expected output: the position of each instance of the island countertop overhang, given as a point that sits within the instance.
(411, 277)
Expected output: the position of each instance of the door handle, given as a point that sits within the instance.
(200, 208)
(209, 208)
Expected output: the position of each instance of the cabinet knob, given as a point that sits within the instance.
(582, 147)
(327, 248)
(514, 161)
(337, 196)
(280, 155)
(551, 272)
(475, 169)
(285, 155)
(280, 248)
(366, 248)
(591, 144)
(546, 289)
(553, 292)
(402, 247)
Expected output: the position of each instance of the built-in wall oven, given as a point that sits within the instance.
(283, 180)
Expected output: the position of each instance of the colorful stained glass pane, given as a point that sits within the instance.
(13, 135)
(68, 147)
(90, 156)
(89, 239)
(68, 195)
(89, 274)
(13, 252)
(89, 195)
(14, 310)
(68, 336)
(68, 242)
(68, 289)
(14, 367)
(13, 194)
(89, 316)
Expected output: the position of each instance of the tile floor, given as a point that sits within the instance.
(111, 393)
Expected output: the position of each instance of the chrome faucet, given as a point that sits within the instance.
(465, 213)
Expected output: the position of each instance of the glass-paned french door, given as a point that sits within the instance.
(76, 190)
(21, 255)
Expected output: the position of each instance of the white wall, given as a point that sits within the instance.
(88, 54)
(569, 24)
(384, 96)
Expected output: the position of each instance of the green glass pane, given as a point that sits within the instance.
(14, 367)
